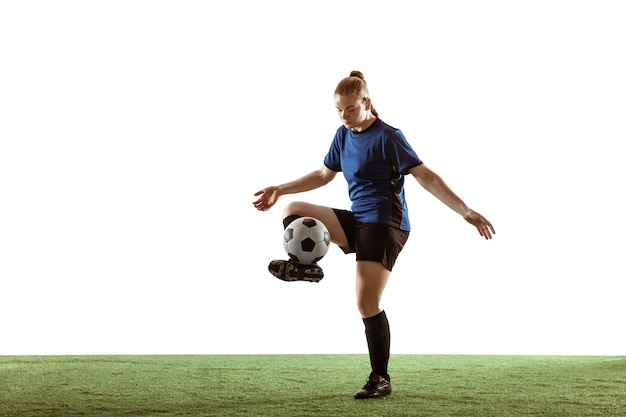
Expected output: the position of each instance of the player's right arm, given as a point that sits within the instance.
(268, 196)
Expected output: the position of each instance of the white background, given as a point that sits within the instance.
(133, 135)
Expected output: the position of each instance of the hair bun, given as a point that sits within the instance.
(357, 74)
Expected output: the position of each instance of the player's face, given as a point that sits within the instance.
(354, 112)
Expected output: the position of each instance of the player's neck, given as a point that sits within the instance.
(367, 123)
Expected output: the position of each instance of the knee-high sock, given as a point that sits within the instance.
(287, 220)
(378, 342)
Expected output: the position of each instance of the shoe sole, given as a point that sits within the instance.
(287, 271)
(371, 396)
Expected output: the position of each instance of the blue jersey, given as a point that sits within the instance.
(374, 163)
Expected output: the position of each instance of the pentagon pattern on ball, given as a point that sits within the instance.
(306, 240)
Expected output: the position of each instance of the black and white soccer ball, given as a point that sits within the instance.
(306, 240)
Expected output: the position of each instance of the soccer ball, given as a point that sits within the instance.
(306, 240)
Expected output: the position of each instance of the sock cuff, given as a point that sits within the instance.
(287, 220)
(378, 318)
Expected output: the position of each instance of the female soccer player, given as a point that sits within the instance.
(374, 158)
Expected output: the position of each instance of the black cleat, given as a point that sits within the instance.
(376, 387)
(291, 271)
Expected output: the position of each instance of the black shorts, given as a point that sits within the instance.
(372, 241)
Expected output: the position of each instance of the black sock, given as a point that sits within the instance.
(378, 342)
(287, 220)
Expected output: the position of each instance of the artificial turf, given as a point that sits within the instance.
(310, 385)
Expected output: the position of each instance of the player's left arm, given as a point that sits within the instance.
(434, 184)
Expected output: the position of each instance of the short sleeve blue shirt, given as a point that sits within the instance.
(374, 163)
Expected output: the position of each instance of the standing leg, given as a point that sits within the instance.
(371, 280)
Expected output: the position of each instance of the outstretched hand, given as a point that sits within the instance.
(268, 197)
(485, 228)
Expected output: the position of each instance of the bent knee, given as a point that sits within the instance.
(296, 207)
(300, 208)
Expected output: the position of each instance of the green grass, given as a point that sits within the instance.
(310, 385)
